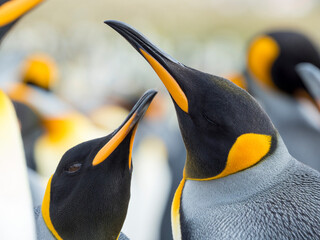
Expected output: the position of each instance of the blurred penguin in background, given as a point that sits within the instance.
(310, 75)
(64, 126)
(37, 70)
(11, 11)
(273, 79)
(17, 219)
(45, 131)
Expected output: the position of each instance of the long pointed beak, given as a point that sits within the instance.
(158, 60)
(130, 124)
(10, 11)
(310, 76)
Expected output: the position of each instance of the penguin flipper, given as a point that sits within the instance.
(310, 76)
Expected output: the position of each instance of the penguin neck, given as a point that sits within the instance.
(244, 184)
(43, 231)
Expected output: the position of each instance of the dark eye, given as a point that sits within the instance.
(209, 120)
(73, 168)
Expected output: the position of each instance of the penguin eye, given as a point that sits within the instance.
(210, 120)
(73, 168)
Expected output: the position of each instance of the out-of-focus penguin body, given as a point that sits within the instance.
(16, 218)
(31, 130)
(10, 13)
(239, 181)
(88, 195)
(16, 205)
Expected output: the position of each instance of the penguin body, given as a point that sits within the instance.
(272, 200)
(16, 219)
(88, 195)
(239, 181)
(31, 130)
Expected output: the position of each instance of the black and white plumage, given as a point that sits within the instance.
(239, 180)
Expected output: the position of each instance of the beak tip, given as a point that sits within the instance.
(114, 23)
(108, 22)
(153, 92)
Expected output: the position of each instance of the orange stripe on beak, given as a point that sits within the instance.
(114, 142)
(170, 83)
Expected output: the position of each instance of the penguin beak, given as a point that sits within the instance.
(310, 76)
(161, 62)
(128, 126)
(10, 11)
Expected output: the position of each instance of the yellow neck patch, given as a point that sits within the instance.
(45, 210)
(248, 149)
(175, 211)
(262, 54)
(14, 9)
(131, 144)
(169, 82)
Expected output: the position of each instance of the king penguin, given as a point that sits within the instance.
(37, 70)
(273, 79)
(239, 180)
(88, 195)
(17, 218)
(272, 59)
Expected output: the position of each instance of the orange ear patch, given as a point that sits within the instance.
(262, 54)
(247, 150)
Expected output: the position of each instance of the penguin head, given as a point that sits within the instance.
(224, 129)
(11, 11)
(273, 57)
(40, 70)
(87, 197)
